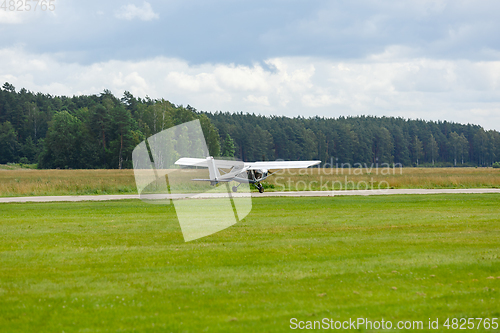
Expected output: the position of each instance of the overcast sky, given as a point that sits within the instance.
(434, 60)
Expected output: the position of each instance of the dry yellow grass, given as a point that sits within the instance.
(28, 182)
(341, 179)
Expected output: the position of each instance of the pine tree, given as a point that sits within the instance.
(417, 148)
(228, 147)
(433, 148)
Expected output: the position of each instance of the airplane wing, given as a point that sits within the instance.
(201, 162)
(188, 161)
(280, 165)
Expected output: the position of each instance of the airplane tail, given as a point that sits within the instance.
(213, 171)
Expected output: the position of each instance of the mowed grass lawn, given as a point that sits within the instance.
(123, 266)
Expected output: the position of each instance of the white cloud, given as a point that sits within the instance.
(315, 101)
(10, 17)
(233, 31)
(462, 91)
(131, 82)
(131, 11)
(260, 100)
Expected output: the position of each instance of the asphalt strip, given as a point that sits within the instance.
(72, 198)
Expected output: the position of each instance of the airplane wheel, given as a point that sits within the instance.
(261, 189)
(235, 189)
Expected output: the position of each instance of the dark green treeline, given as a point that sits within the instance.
(100, 131)
(85, 132)
(359, 140)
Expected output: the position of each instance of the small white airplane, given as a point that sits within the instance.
(241, 172)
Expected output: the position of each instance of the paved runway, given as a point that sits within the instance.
(254, 194)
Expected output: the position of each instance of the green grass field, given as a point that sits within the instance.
(123, 266)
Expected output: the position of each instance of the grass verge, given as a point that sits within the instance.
(123, 266)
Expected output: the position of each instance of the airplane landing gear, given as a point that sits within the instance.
(261, 189)
(235, 188)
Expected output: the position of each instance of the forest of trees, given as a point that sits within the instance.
(100, 131)
(359, 140)
(85, 132)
